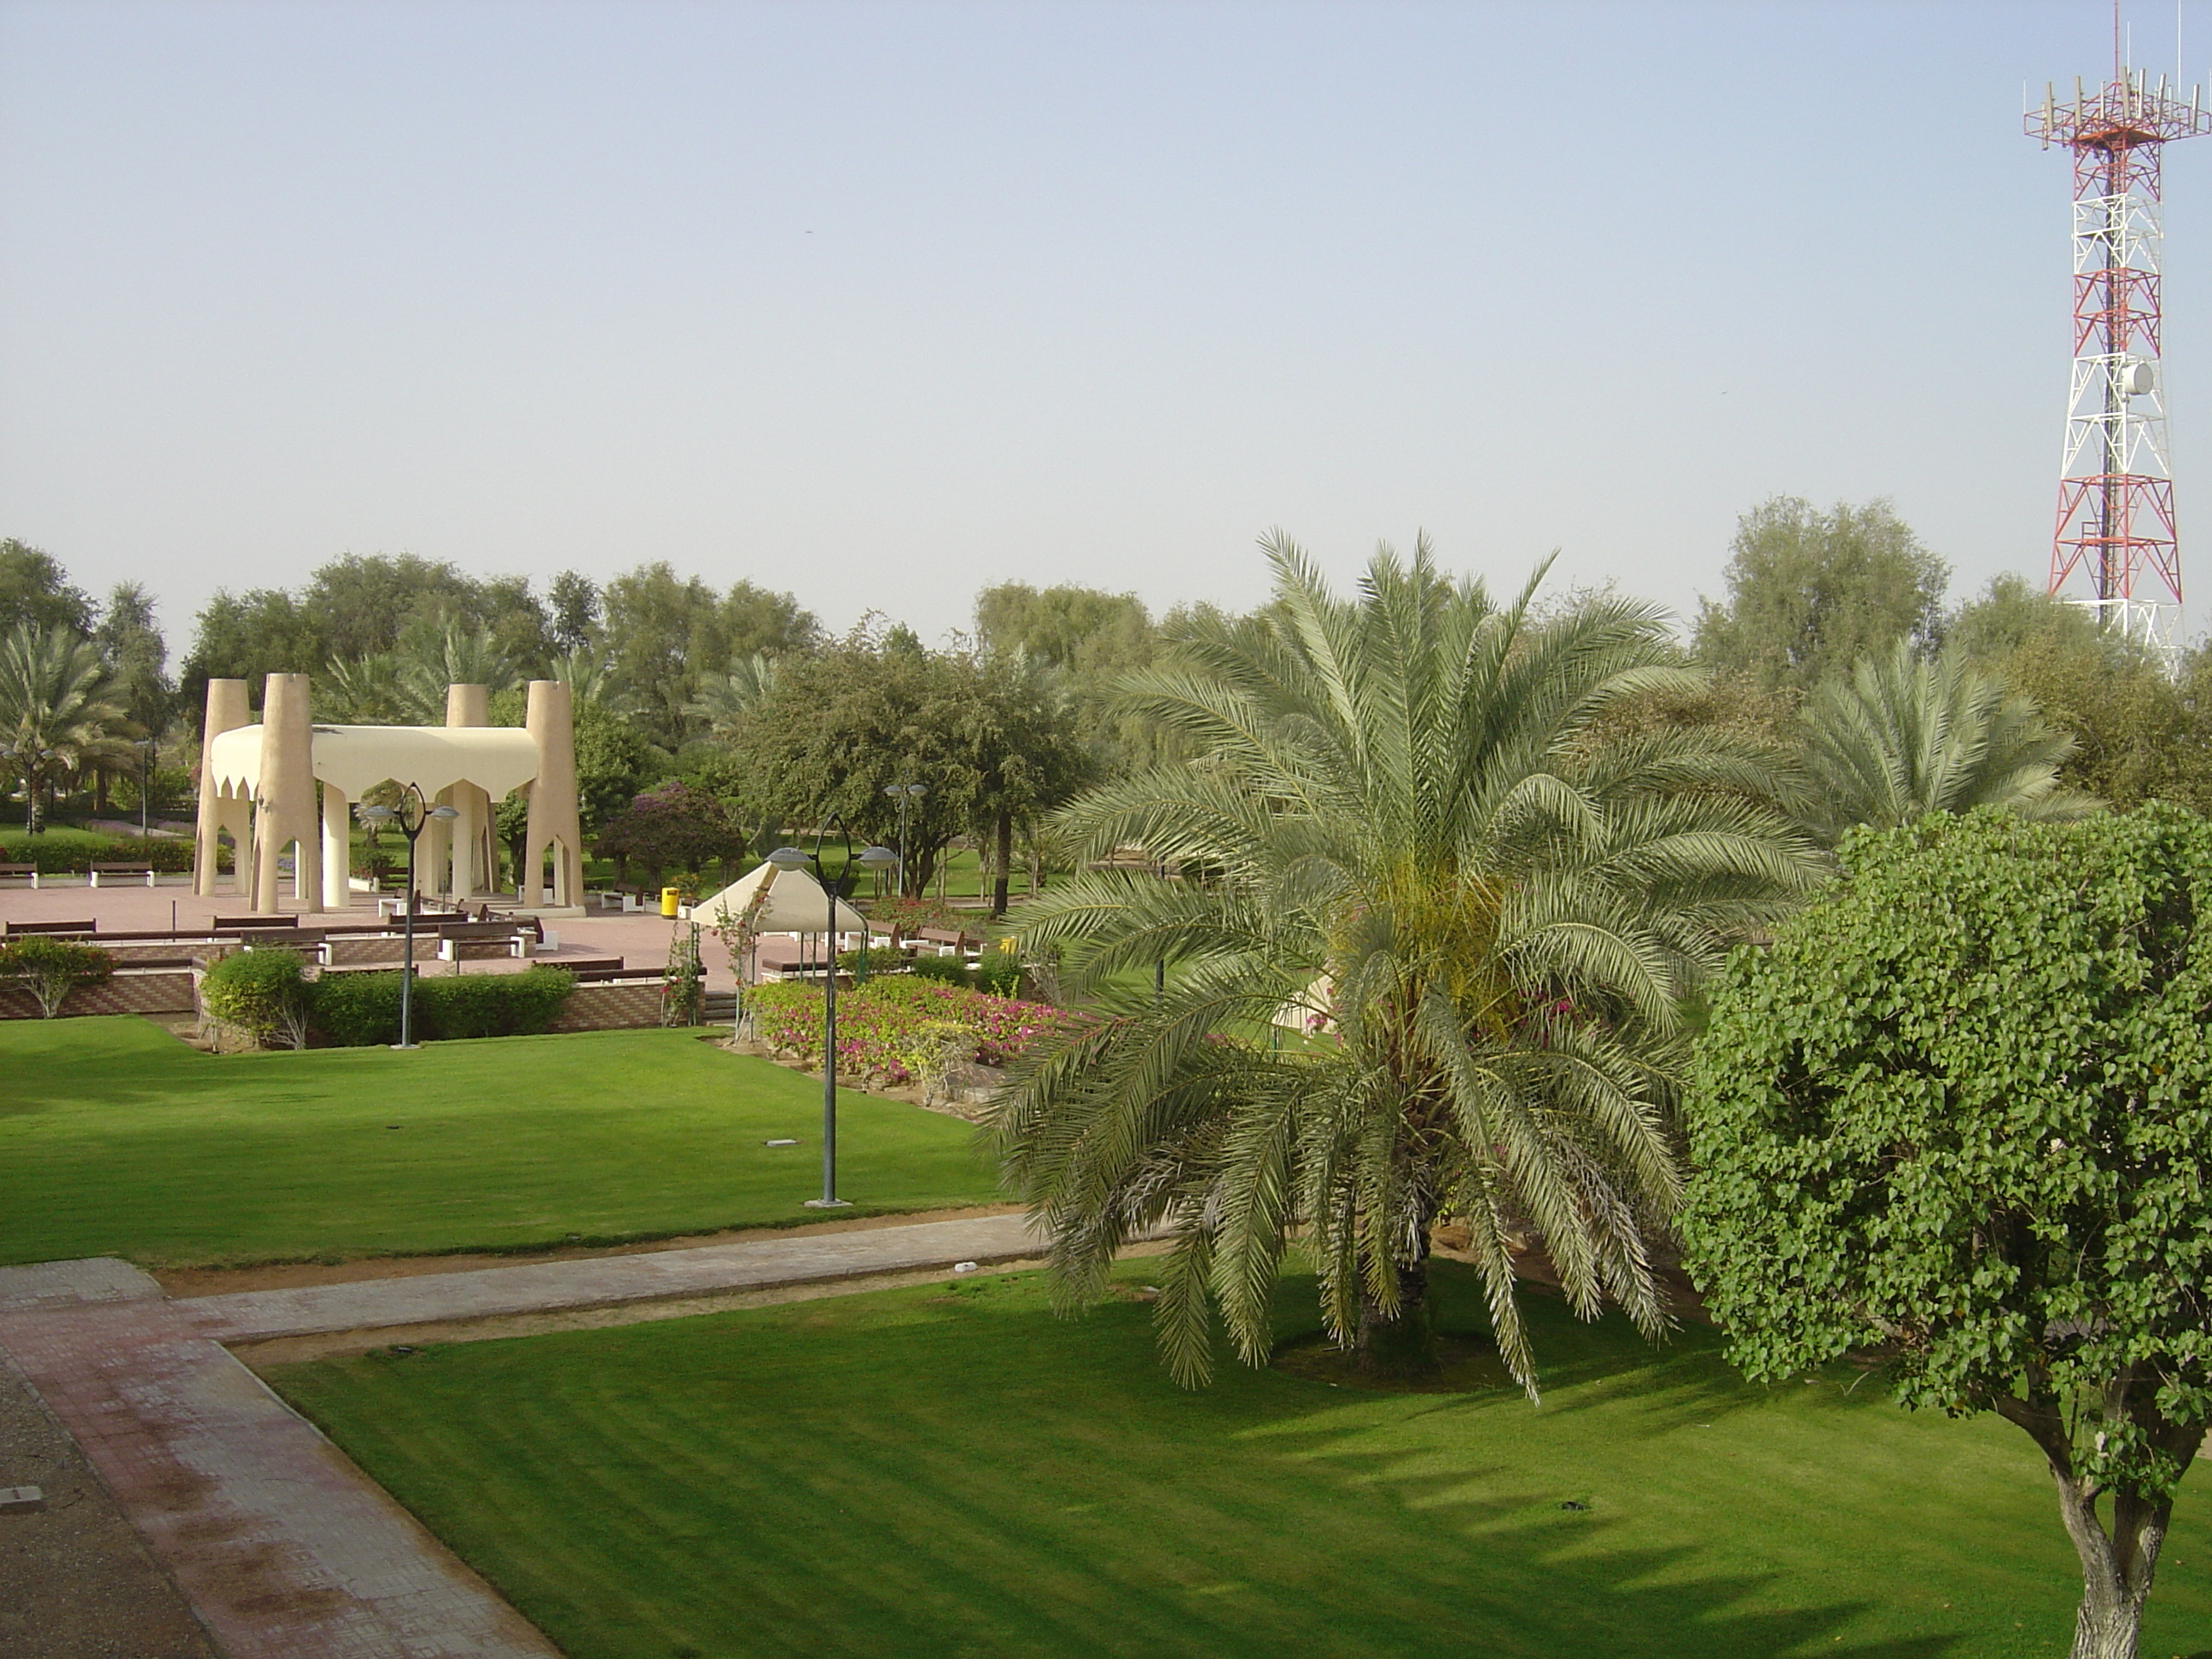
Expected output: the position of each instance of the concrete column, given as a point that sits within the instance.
(553, 807)
(468, 705)
(226, 712)
(286, 812)
(338, 850)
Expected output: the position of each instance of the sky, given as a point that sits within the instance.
(880, 303)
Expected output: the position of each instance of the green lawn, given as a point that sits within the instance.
(116, 1139)
(949, 1471)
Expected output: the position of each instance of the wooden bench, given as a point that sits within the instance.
(519, 938)
(950, 943)
(53, 927)
(28, 871)
(232, 924)
(125, 869)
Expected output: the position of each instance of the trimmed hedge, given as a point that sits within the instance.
(73, 851)
(266, 992)
(354, 1010)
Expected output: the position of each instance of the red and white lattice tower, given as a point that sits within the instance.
(2115, 535)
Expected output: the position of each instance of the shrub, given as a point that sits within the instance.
(73, 852)
(883, 960)
(50, 968)
(1000, 973)
(354, 1010)
(943, 971)
(264, 993)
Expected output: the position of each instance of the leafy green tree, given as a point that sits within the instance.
(244, 636)
(665, 636)
(673, 826)
(1089, 640)
(1401, 826)
(1958, 1124)
(1904, 737)
(129, 639)
(2139, 735)
(1810, 593)
(35, 589)
(573, 601)
(836, 727)
(58, 714)
(361, 604)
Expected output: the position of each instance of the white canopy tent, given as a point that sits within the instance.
(794, 904)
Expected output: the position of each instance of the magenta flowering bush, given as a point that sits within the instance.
(898, 1029)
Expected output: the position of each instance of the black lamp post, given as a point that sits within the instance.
(904, 794)
(836, 884)
(410, 825)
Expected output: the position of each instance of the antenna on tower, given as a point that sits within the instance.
(2115, 527)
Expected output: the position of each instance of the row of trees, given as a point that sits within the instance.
(82, 684)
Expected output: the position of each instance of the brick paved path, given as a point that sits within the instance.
(284, 1549)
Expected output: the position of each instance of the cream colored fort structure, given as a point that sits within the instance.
(259, 781)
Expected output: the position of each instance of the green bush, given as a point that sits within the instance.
(354, 1010)
(883, 960)
(946, 970)
(50, 968)
(1000, 973)
(73, 852)
(264, 993)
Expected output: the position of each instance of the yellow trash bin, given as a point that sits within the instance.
(670, 897)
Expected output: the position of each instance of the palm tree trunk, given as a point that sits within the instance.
(1385, 1345)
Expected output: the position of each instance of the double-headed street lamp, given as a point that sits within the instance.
(836, 884)
(904, 794)
(410, 825)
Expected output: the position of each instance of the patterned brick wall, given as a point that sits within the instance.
(345, 952)
(131, 991)
(610, 1007)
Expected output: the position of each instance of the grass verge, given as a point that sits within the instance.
(117, 1139)
(949, 1470)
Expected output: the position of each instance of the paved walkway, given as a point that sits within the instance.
(286, 1550)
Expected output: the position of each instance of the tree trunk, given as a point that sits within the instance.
(1003, 863)
(1384, 1346)
(2117, 1567)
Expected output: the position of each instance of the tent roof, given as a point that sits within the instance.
(355, 759)
(794, 904)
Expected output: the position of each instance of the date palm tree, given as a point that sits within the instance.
(1902, 736)
(1414, 834)
(58, 712)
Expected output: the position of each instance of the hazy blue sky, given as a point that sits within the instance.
(881, 302)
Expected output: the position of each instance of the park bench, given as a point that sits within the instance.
(122, 869)
(232, 924)
(26, 872)
(59, 928)
(947, 943)
(519, 938)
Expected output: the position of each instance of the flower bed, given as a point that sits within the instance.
(899, 1028)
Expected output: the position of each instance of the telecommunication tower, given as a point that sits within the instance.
(2115, 531)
